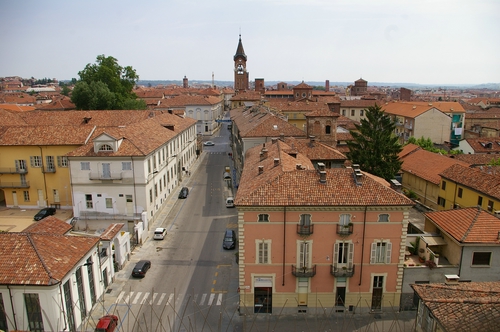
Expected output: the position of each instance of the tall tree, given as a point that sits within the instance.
(375, 146)
(106, 85)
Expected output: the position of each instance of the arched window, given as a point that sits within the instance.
(328, 130)
(105, 147)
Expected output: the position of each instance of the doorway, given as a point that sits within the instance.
(378, 283)
(263, 300)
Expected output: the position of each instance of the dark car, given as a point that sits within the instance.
(229, 239)
(44, 213)
(141, 268)
(107, 323)
(184, 192)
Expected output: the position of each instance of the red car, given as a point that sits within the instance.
(107, 323)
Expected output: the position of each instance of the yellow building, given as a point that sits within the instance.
(34, 170)
(420, 173)
(468, 187)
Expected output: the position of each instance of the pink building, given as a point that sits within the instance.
(317, 238)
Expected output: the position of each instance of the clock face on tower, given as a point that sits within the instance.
(240, 69)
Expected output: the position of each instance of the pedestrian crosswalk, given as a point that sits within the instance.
(161, 299)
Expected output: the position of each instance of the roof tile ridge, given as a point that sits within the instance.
(52, 280)
(471, 224)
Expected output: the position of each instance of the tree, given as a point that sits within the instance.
(375, 147)
(106, 85)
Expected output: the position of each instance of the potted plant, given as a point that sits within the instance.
(421, 256)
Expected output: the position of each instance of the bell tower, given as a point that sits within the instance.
(240, 69)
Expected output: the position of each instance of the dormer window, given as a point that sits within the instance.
(106, 148)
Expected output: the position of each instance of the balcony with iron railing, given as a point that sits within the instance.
(105, 176)
(342, 270)
(345, 229)
(13, 170)
(304, 272)
(305, 229)
(24, 184)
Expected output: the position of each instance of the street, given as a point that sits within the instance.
(190, 276)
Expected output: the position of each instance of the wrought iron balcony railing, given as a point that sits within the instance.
(344, 229)
(342, 270)
(304, 272)
(305, 230)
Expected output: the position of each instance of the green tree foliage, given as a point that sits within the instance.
(375, 147)
(494, 162)
(65, 90)
(426, 144)
(105, 85)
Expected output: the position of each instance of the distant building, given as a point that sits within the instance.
(241, 75)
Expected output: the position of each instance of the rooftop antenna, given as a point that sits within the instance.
(213, 83)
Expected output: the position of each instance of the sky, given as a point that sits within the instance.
(392, 41)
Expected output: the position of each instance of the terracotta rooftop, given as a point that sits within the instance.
(110, 232)
(139, 139)
(475, 159)
(297, 106)
(485, 144)
(258, 121)
(475, 179)
(427, 165)
(466, 306)
(314, 150)
(283, 182)
(40, 259)
(408, 149)
(50, 225)
(358, 103)
(467, 225)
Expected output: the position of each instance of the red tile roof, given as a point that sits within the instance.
(40, 259)
(475, 159)
(50, 225)
(485, 144)
(285, 185)
(466, 306)
(474, 178)
(110, 232)
(427, 165)
(316, 151)
(468, 225)
(258, 121)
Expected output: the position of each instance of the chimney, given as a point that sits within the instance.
(396, 185)
(282, 136)
(298, 166)
(274, 140)
(321, 166)
(261, 169)
(312, 140)
(276, 161)
(263, 154)
(322, 176)
(451, 279)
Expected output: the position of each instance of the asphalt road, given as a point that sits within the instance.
(192, 281)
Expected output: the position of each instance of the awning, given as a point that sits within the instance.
(433, 240)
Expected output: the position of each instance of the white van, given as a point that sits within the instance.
(229, 202)
(160, 233)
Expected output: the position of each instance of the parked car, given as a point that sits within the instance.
(209, 143)
(230, 202)
(45, 212)
(141, 268)
(184, 192)
(229, 239)
(160, 233)
(107, 323)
